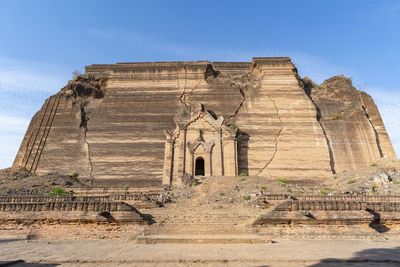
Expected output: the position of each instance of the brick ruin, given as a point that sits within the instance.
(150, 127)
(115, 125)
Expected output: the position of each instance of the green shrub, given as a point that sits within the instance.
(374, 164)
(195, 183)
(242, 174)
(247, 197)
(335, 116)
(351, 181)
(222, 194)
(282, 180)
(73, 175)
(263, 188)
(59, 191)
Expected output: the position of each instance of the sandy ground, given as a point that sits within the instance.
(128, 253)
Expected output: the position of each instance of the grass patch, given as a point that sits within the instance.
(247, 197)
(282, 180)
(335, 116)
(222, 194)
(242, 174)
(374, 164)
(59, 191)
(263, 188)
(323, 192)
(74, 175)
(351, 181)
(195, 183)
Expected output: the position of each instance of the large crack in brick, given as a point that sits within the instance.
(83, 124)
(276, 137)
(378, 143)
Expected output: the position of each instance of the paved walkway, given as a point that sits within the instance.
(127, 253)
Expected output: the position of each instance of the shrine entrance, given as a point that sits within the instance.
(199, 167)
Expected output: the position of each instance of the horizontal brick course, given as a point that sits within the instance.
(65, 206)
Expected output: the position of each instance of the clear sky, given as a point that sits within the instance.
(43, 42)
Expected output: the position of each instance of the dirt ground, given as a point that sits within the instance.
(128, 253)
(381, 178)
(18, 181)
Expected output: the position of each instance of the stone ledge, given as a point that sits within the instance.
(65, 206)
(337, 205)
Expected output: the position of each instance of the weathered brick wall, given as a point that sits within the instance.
(119, 140)
(65, 206)
(332, 205)
(369, 198)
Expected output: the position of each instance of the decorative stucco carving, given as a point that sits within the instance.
(199, 135)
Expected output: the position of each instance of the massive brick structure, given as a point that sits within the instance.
(115, 125)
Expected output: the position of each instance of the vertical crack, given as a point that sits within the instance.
(240, 105)
(84, 121)
(328, 142)
(275, 151)
(308, 87)
(185, 97)
(378, 143)
(276, 137)
(243, 83)
(182, 98)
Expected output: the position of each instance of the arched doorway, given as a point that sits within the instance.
(199, 167)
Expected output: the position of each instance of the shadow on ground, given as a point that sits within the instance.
(368, 257)
(21, 263)
(11, 240)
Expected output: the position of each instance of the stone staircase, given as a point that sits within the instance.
(201, 225)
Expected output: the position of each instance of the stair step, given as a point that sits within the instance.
(201, 239)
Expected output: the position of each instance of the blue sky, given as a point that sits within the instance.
(43, 42)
